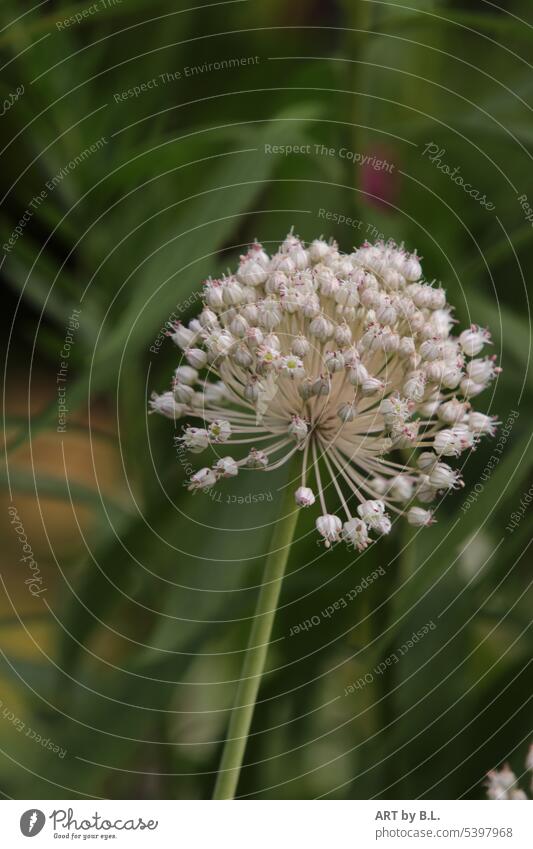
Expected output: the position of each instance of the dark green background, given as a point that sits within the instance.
(129, 660)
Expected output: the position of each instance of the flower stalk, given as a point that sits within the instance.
(256, 652)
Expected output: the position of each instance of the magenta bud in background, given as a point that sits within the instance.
(379, 177)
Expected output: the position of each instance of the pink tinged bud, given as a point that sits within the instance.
(203, 479)
(329, 527)
(420, 518)
(304, 496)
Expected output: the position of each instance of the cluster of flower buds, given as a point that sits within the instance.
(348, 360)
(502, 783)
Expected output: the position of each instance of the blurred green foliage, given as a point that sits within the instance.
(150, 613)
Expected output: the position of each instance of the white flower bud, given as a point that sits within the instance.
(322, 385)
(318, 250)
(343, 335)
(481, 424)
(196, 439)
(243, 357)
(452, 411)
(220, 343)
(252, 390)
(304, 496)
(250, 314)
(182, 336)
(355, 533)
(226, 467)
(426, 460)
(371, 386)
(412, 269)
(252, 273)
(420, 518)
(358, 374)
(305, 388)
(203, 479)
(346, 412)
(329, 527)
(186, 374)
(269, 313)
(401, 488)
(300, 346)
(238, 326)
(414, 387)
(473, 340)
(321, 327)
(215, 393)
(347, 294)
(183, 393)
(443, 477)
(298, 429)
(481, 371)
(334, 361)
(166, 405)
(470, 389)
(196, 357)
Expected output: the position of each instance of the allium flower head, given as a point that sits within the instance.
(347, 361)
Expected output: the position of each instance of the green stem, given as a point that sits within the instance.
(256, 652)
